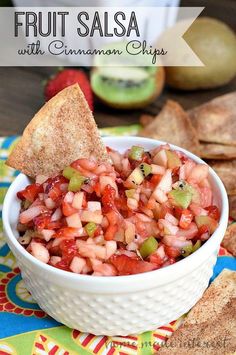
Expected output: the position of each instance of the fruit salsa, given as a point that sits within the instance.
(139, 212)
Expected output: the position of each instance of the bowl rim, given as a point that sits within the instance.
(167, 273)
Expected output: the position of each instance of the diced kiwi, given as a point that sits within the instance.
(183, 185)
(173, 161)
(120, 82)
(180, 198)
(138, 174)
(206, 221)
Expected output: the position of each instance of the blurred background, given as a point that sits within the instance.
(22, 89)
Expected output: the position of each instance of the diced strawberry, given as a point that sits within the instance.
(67, 209)
(68, 248)
(108, 198)
(155, 179)
(185, 219)
(156, 259)
(110, 232)
(202, 230)
(128, 266)
(213, 212)
(30, 192)
(172, 252)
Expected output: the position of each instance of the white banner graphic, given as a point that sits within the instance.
(87, 36)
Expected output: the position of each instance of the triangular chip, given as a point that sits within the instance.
(226, 169)
(209, 328)
(215, 121)
(229, 241)
(62, 131)
(232, 206)
(173, 125)
(217, 151)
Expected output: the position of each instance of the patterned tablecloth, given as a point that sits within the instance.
(25, 329)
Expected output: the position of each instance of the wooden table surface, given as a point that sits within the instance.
(21, 88)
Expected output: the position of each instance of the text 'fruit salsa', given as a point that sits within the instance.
(141, 212)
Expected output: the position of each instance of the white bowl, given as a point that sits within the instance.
(125, 304)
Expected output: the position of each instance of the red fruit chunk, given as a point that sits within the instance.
(213, 212)
(128, 266)
(66, 78)
(172, 252)
(69, 249)
(185, 219)
(108, 198)
(67, 209)
(30, 192)
(110, 232)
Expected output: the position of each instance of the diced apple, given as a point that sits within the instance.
(88, 216)
(211, 223)
(94, 206)
(74, 221)
(157, 169)
(78, 200)
(40, 252)
(161, 158)
(198, 173)
(77, 264)
(159, 195)
(166, 182)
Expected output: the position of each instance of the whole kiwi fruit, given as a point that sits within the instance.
(215, 44)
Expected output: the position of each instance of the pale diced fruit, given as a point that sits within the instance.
(132, 203)
(163, 187)
(74, 221)
(69, 197)
(88, 216)
(207, 221)
(129, 232)
(77, 264)
(40, 252)
(78, 200)
(108, 180)
(159, 195)
(161, 158)
(173, 161)
(166, 181)
(94, 206)
(111, 248)
(49, 203)
(54, 260)
(47, 234)
(157, 169)
(198, 173)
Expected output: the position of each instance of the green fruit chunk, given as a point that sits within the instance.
(183, 185)
(90, 228)
(173, 161)
(145, 168)
(76, 182)
(187, 250)
(130, 193)
(211, 223)
(180, 198)
(68, 172)
(148, 247)
(196, 246)
(136, 153)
